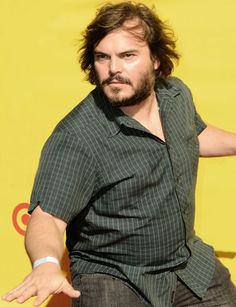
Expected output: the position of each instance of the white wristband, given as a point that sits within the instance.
(44, 260)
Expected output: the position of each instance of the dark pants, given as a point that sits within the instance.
(101, 290)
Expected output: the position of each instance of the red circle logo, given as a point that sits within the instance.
(20, 218)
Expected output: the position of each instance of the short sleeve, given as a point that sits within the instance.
(199, 123)
(65, 178)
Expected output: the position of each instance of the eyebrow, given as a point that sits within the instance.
(99, 52)
(121, 53)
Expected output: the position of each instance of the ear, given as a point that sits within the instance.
(156, 63)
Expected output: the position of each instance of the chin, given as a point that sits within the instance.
(123, 101)
(118, 95)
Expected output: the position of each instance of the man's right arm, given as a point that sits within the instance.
(44, 237)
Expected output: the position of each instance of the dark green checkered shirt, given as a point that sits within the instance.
(127, 196)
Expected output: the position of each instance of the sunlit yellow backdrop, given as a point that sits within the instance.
(41, 82)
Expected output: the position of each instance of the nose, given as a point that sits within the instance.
(115, 66)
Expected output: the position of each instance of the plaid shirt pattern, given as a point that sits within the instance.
(128, 196)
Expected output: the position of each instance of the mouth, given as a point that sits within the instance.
(116, 81)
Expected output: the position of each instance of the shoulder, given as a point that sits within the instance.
(176, 87)
(174, 83)
(82, 120)
(84, 128)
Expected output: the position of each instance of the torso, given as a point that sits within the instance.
(150, 119)
(155, 126)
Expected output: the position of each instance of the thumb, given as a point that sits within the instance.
(69, 290)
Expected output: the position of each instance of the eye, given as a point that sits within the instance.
(129, 55)
(100, 57)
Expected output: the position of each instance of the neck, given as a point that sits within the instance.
(147, 113)
(144, 110)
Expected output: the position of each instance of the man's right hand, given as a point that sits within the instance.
(44, 280)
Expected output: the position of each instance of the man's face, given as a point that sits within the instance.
(124, 68)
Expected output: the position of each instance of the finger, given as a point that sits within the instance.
(14, 290)
(41, 297)
(12, 294)
(69, 290)
(72, 293)
(26, 294)
(15, 293)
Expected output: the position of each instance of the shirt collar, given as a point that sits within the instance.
(113, 117)
(166, 93)
(110, 117)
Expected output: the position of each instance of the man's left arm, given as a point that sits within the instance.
(215, 142)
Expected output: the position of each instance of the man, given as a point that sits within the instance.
(119, 173)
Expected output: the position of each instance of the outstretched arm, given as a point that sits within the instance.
(215, 142)
(44, 237)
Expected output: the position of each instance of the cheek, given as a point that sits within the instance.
(132, 66)
(100, 71)
(138, 68)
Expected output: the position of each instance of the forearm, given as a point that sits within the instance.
(44, 236)
(215, 142)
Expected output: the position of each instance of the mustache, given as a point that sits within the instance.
(116, 78)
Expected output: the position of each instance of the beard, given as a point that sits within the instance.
(143, 89)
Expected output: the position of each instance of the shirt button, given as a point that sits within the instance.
(178, 178)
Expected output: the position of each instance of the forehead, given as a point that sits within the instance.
(120, 39)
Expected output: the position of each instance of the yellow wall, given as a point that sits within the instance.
(41, 82)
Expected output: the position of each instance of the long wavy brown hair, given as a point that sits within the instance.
(156, 33)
